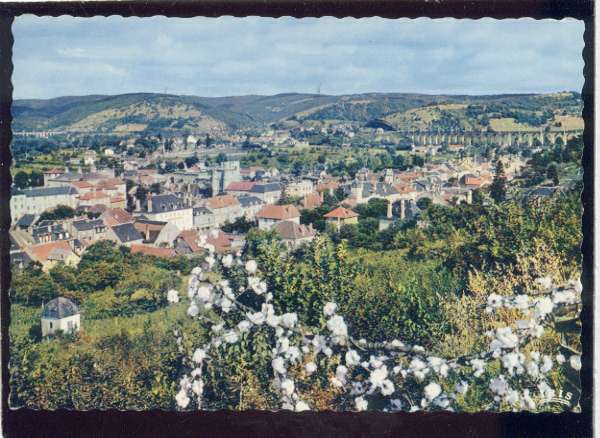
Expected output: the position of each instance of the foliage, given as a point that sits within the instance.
(58, 213)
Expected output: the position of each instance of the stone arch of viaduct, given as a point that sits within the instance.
(506, 138)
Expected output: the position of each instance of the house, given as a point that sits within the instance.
(125, 234)
(269, 215)
(157, 233)
(329, 187)
(299, 188)
(341, 216)
(312, 200)
(88, 231)
(60, 315)
(239, 188)
(293, 234)
(49, 231)
(169, 208)
(116, 216)
(204, 219)
(225, 208)
(26, 222)
(250, 205)
(187, 243)
(137, 248)
(49, 254)
(224, 242)
(37, 200)
(269, 193)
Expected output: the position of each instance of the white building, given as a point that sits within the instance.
(37, 200)
(60, 315)
(271, 215)
(298, 189)
(170, 208)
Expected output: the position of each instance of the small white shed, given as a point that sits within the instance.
(60, 314)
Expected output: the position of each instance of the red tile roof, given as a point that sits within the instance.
(190, 237)
(291, 230)
(43, 251)
(240, 186)
(312, 200)
(222, 201)
(278, 212)
(341, 213)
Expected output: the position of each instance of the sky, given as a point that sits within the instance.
(226, 56)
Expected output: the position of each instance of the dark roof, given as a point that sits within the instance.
(264, 188)
(17, 257)
(248, 201)
(376, 189)
(26, 220)
(166, 202)
(144, 220)
(86, 225)
(45, 191)
(542, 192)
(59, 308)
(127, 232)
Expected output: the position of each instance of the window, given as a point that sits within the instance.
(50, 325)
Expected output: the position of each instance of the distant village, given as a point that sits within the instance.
(177, 209)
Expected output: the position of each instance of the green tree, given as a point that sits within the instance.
(552, 173)
(21, 179)
(32, 286)
(498, 186)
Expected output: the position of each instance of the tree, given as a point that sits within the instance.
(221, 158)
(552, 173)
(58, 213)
(21, 179)
(424, 203)
(498, 186)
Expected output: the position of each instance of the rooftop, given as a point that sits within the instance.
(278, 212)
(59, 308)
(341, 213)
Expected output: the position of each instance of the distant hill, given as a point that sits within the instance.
(151, 113)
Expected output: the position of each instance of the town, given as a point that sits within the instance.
(157, 205)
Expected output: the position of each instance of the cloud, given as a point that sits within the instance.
(227, 55)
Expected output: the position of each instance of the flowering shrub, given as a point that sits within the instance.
(233, 303)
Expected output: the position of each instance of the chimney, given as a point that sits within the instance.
(389, 209)
(138, 205)
(149, 204)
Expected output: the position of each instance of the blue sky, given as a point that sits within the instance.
(234, 56)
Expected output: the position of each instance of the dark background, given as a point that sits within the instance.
(29, 423)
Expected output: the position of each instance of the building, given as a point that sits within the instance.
(187, 243)
(250, 206)
(49, 254)
(224, 174)
(116, 216)
(225, 208)
(298, 189)
(270, 215)
(60, 315)
(312, 200)
(37, 200)
(125, 234)
(269, 193)
(341, 216)
(88, 231)
(204, 219)
(169, 208)
(239, 188)
(293, 234)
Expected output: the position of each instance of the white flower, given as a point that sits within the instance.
(511, 361)
(199, 355)
(302, 406)
(251, 266)
(533, 369)
(352, 358)
(461, 387)
(329, 308)
(494, 301)
(289, 320)
(273, 320)
(310, 367)
(575, 362)
(198, 387)
(278, 365)
(340, 374)
(378, 376)
(560, 359)
(256, 318)
(387, 387)
(193, 310)
(546, 364)
(204, 293)
(544, 282)
(182, 399)
(196, 271)
(230, 337)
(337, 326)
(505, 338)
(244, 326)
(499, 385)
(173, 296)
(360, 403)
(287, 386)
(432, 390)
(227, 260)
(512, 397)
(522, 302)
(543, 307)
(529, 403)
